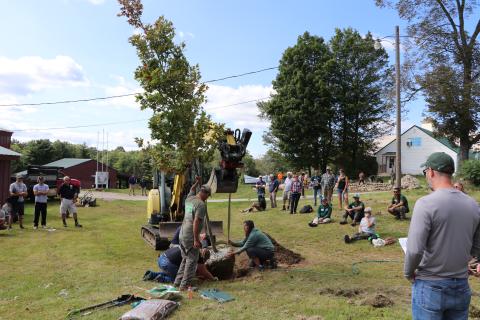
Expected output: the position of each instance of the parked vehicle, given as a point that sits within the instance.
(53, 178)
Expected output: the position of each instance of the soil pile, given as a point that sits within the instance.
(410, 182)
(284, 255)
(378, 301)
(224, 267)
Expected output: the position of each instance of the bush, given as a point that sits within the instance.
(470, 171)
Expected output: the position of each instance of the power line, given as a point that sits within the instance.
(130, 121)
(124, 95)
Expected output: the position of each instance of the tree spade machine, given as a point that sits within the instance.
(166, 202)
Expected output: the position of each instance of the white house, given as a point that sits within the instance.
(417, 144)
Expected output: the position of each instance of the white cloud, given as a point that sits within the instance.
(29, 74)
(96, 2)
(183, 34)
(238, 116)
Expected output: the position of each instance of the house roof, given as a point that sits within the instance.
(67, 162)
(8, 152)
(442, 140)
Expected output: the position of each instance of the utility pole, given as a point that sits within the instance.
(398, 162)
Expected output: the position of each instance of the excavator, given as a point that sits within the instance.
(166, 202)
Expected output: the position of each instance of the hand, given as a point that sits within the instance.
(197, 244)
(230, 254)
(198, 179)
(215, 279)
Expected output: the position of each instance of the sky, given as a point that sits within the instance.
(76, 49)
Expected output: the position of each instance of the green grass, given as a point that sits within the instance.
(107, 258)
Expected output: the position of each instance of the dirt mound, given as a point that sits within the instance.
(410, 182)
(347, 293)
(378, 301)
(223, 267)
(284, 255)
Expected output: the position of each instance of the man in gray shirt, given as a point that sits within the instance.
(444, 234)
(192, 226)
(18, 192)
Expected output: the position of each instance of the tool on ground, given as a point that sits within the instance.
(120, 301)
(215, 294)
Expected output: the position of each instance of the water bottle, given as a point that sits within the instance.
(190, 293)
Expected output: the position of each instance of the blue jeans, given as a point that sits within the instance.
(440, 299)
(168, 270)
(317, 192)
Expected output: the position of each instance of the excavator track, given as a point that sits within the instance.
(151, 235)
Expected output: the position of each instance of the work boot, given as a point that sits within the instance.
(344, 221)
(78, 225)
(347, 238)
(353, 224)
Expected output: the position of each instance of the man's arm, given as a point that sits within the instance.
(418, 233)
(475, 251)
(248, 243)
(194, 186)
(35, 191)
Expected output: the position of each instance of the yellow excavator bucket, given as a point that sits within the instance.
(178, 186)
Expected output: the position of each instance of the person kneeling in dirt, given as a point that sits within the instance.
(169, 263)
(354, 210)
(258, 246)
(366, 230)
(399, 206)
(323, 214)
(260, 205)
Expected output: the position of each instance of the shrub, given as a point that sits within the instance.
(470, 171)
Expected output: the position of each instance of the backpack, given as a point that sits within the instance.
(306, 209)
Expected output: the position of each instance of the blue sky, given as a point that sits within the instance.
(73, 49)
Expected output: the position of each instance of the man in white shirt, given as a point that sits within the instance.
(286, 191)
(40, 191)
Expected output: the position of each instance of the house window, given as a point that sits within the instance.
(414, 142)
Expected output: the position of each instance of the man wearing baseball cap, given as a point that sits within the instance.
(444, 233)
(354, 210)
(192, 226)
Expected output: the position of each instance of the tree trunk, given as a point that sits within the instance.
(464, 148)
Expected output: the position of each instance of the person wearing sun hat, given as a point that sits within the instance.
(444, 234)
(354, 210)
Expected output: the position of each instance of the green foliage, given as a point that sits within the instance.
(180, 127)
(470, 170)
(250, 168)
(272, 162)
(331, 100)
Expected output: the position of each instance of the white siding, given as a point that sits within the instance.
(414, 156)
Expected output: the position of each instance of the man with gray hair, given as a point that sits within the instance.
(444, 233)
(68, 195)
(192, 226)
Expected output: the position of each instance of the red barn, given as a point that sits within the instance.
(84, 170)
(6, 156)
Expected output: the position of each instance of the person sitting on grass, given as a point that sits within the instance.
(399, 206)
(258, 246)
(366, 230)
(169, 263)
(354, 210)
(5, 213)
(323, 214)
(260, 205)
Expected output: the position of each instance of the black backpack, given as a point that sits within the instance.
(306, 209)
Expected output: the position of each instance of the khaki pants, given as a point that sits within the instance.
(273, 199)
(188, 267)
(327, 194)
(321, 220)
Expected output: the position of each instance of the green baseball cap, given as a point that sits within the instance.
(441, 162)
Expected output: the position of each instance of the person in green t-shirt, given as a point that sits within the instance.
(323, 214)
(399, 207)
(354, 210)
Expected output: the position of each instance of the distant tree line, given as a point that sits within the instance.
(43, 151)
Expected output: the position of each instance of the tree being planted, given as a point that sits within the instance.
(173, 91)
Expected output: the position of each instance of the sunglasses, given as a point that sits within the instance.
(425, 171)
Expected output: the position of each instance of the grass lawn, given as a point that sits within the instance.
(107, 258)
